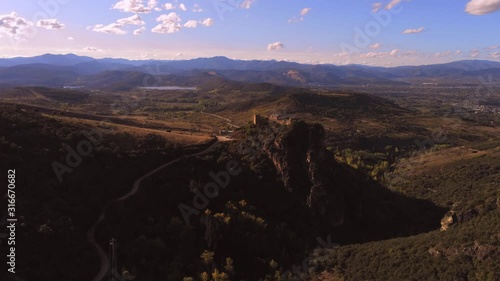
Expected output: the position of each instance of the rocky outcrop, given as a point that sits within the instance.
(477, 251)
(306, 168)
(308, 188)
(454, 217)
(449, 219)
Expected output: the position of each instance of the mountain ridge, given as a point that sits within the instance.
(24, 69)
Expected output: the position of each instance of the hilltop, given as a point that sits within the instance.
(59, 70)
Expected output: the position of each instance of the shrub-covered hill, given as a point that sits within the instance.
(468, 245)
(265, 219)
(53, 217)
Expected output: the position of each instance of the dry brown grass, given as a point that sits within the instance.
(182, 138)
(434, 160)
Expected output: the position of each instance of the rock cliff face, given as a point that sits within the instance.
(292, 179)
(456, 217)
(308, 169)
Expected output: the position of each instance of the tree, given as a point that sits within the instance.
(207, 257)
(205, 277)
(229, 267)
(219, 276)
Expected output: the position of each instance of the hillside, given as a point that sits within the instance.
(467, 246)
(368, 174)
(290, 190)
(105, 73)
(57, 214)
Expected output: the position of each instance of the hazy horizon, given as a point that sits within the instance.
(237, 59)
(376, 33)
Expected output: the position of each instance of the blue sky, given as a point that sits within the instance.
(380, 32)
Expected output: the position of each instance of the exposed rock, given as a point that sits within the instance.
(476, 251)
(300, 158)
(309, 189)
(453, 217)
(449, 219)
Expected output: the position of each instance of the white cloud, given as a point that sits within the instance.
(158, 9)
(443, 54)
(474, 53)
(182, 7)
(376, 7)
(413, 31)
(168, 23)
(481, 7)
(197, 8)
(113, 28)
(92, 49)
(305, 11)
(392, 4)
(135, 6)
(139, 31)
(169, 6)
(50, 24)
(275, 46)
(179, 54)
(372, 55)
(152, 3)
(116, 27)
(208, 22)
(132, 20)
(247, 4)
(494, 47)
(375, 46)
(410, 53)
(191, 24)
(14, 26)
(71, 38)
(172, 17)
(447, 54)
(495, 55)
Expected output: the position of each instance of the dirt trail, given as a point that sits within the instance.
(104, 263)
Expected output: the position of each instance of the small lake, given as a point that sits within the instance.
(168, 88)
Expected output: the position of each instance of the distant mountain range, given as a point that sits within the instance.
(122, 74)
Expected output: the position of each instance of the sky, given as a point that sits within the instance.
(371, 32)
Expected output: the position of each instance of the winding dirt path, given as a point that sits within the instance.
(104, 262)
(229, 122)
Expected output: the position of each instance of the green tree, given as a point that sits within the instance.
(229, 267)
(207, 257)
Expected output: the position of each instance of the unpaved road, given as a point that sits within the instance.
(229, 122)
(104, 263)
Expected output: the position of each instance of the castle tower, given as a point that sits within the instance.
(257, 121)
